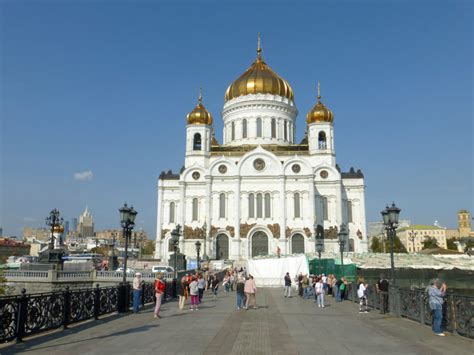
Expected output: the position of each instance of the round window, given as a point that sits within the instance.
(324, 174)
(259, 164)
(222, 169)
(196, 175)
(296, 168)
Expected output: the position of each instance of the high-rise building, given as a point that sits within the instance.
(86, 225)
(66, 229)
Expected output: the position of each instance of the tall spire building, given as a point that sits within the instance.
(86, 224)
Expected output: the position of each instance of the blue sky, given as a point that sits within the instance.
(104, 87)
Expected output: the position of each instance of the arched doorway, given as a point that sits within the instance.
(259, 244)
(297, 244)
(222, 247)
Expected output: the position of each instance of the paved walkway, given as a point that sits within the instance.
(279, 326)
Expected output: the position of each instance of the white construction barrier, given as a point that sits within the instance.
(270, 272)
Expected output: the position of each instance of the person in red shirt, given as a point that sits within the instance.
(159, 292)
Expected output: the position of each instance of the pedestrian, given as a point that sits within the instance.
(160, 288)
(300, 285)
(305, 285)
(137, 291)
(342, 289)
(194, 292)
(215, 285)
(201, 286)
(382, 290)
(362, 294)
(435, 298)
(337, 287)
(324, 280)
(181, 291)
(319, 290)
(287, 280)
(240, 292)
(250, 290)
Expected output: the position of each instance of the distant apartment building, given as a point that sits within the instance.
(108, 234)
(74, 224)
(413, 237)
(12, 247)
(85, 227)
(40, 234)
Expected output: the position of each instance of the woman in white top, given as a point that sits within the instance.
(319, 289)
(361, 293)
(194, 292)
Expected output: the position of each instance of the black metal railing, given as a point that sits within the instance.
(25, 315)
(458, 310)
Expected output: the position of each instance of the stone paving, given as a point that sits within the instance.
(278, 326)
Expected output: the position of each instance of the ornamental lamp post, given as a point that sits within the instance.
(390, 220)
(412, 238)
(127, 221)
(198, 250)
(319, 249)
(175, 234)
(55, 221)
(343, 232)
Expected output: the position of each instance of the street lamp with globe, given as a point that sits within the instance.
(390, 220)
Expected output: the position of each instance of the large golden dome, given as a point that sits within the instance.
(319, 113)
(259, 79)
(199, 115)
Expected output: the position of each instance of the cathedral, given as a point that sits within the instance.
(259, 192)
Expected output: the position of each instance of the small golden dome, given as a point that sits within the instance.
(319, 113)
(199, 115)
(58, 229)
(259, 79)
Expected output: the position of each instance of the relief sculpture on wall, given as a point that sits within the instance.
(275, 229)
(331, 233)
(245, 229)
(193, 233)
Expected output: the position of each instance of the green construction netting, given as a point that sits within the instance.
(331, 266)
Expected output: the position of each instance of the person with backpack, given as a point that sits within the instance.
(362, 294)
(160, 288)
(342, 289)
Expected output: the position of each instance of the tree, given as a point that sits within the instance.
(149, 247)
(430, 243)
(376, 246)
(469, 244)
(101, 250)
(451, 245)
(398, 246)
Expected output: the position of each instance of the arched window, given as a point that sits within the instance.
(222, 205)
(259, 206)
(349, 212)
(251, 206)
(172, 210)
(195, 209)
(232, 131)
(259, 127)
(325, 208)
(197, 142)
(267, 205)
(297, 205)
(285, 131)
(274, 129)
(322, 140)
(244, 128)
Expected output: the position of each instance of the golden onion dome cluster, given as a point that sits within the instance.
(199, 115)
(259, 79)
(319, 112)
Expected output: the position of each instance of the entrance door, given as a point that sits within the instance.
(297, 244)
(222, 247)
(259, 244)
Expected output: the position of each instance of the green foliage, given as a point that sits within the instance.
(377, 246)
(430, 243)
(101, 250)
(451, 245)
(469, 244)
(149, 247)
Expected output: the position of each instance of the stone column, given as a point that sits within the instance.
(282, 191)
(159, 222)
(237, 200)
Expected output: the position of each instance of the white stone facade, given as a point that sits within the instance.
(259, 190)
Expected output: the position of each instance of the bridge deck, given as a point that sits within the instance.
(279, 326)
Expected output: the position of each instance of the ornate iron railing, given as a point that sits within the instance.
(26, 315)
(458, 310)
